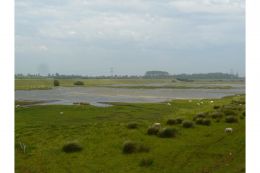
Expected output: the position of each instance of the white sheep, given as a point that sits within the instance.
(169, 104)
(211, 101)
(157, 125)
(228, 130)
(61, 113)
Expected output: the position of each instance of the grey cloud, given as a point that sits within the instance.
(136, 29)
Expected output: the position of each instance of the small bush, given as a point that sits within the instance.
(206, 122)
(133, 147)
(71, 147)
(56, 83)
(171, 121)
(229, 112)
(216, 107)
(83, 103)
(78, 83)
(187, 124)
(203, 121)
(153, 130)
(146, 162)
(129, 147)
(167, 132)
(179, 120)
(231, 119)
(200, 115)
(132, 125)
(199, 121)
(217, 115)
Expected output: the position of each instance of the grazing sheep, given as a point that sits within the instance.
(169, 104)
(211, 101)
(228, 130)
(157, 125)
(61, 113)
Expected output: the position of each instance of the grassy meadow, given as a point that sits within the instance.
(42, 131)
(27, 84)
(31, 84)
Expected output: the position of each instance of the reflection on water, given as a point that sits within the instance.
(95, 95)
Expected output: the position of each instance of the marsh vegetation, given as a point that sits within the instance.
(86, 138)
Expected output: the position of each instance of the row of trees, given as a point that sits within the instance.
(147, 75)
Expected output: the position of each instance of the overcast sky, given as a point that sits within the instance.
(133, 36)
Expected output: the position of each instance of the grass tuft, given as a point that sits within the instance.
(132, 125)
(71, 147)
(167, 132)
(231, 119)
(187, 124)
(153, 130)
(134, 147)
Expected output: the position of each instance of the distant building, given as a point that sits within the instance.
(156, 74)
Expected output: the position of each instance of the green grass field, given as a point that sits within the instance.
(101, 133)
(31, 84)
(27, 84)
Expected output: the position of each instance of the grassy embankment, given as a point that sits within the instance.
(30, 84)
(101, 133)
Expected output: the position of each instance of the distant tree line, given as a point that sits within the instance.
(147, 75)
(156, 74)
(216, 76)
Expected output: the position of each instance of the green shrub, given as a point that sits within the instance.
(146, 162)
(71, 147)
(171, 121)
(179, 120)
(78, 83)
(187, 124)
(203, 121)
(153, 130)
(217, 115)
(132, 125)
(216, 107)
(231, 119)
(56, 83)
(129, 147)
(200, 115)
(167, 132)
(199, 121)
(228, 112)
(133, 147)
(206, 122)
(83, 103)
